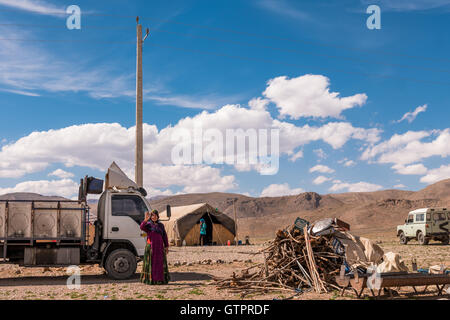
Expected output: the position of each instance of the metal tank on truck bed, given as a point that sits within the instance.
(59, 232)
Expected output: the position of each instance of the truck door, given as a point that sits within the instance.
(127, 212)
(409, 232)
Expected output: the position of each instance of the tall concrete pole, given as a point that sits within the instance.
(236, 239)
(139, 135)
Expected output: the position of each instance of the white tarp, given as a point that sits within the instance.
(115, 177)
(392, 262)
(359, 251)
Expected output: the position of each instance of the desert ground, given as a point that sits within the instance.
(192, 271)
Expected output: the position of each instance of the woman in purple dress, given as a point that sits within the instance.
(155, 270)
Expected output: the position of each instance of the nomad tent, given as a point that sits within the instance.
(184, 224)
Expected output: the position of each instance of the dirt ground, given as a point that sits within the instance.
(192, 269)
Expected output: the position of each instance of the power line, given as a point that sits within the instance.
(246, 44)
(220, 54)
(62, 27)
(251, 34)
(65, 40)
(214, 53)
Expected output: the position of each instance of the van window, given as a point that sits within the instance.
(438, 216)
(420, 217)
(448, 215)
(428, 216)
(128, 205)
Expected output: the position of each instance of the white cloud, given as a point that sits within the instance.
(349, 163)
(96, 145)
(321, 179)
(63, 187)
(295, 156)
(417, 168)
(354, 187)
(278, 190)
(320, 153)
(409, 5)
(321, 168)
(411, 116)
(285, 9)
(36, 6)
(407, 148)
(400, 186)
(435, 175)
(346, 162)
(193, 179)
(60, 173)
(258, 104)
(309, 96)
(27, 68)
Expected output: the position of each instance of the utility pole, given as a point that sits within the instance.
(235, 223)
(139, 163)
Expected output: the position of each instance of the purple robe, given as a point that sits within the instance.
(156, 234)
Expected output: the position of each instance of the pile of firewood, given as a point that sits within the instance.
(293, 261)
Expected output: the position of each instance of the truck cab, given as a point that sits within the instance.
(119, 242)
(37, 233)
(425, 224)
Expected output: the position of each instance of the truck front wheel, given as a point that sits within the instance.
(121, 264)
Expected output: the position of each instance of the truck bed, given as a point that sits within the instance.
(37, 221)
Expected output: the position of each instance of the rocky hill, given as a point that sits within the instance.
(259, 217)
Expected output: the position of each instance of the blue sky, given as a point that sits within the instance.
(357, 109)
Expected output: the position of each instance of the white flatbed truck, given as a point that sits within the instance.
(46, 233)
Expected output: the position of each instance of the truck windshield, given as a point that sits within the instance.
(128, 205)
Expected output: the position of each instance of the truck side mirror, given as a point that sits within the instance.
(168, 211)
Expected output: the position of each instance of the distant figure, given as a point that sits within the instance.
(202, 232)
(154, 269)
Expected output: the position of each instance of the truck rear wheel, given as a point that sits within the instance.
(422, 239)
(446, 240)
(121, 264)
(403, 238)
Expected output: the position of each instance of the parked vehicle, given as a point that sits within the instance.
(424, 225)
(58, 233)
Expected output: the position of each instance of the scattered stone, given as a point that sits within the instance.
(184, 263)
(248, 261)
(18, 272)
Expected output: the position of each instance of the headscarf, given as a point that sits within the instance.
(155, 226)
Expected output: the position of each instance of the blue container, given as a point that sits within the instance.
(94, 185)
